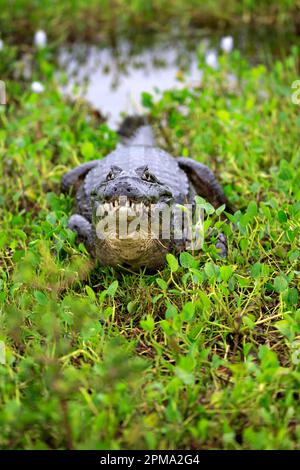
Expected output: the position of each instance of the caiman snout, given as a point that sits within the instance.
(134, 189)
(122, 188)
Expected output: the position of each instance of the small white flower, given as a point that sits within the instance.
(1, 44)
(40, 39)
(37, 87)
(211, 59)
(226, 43)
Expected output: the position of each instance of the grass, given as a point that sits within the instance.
(103, 19)
(200, 355)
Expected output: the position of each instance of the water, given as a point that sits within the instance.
(112, 81)
(113, 78)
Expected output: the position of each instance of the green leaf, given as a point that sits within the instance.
(226, 272)
(148, 324)
(268, 358)
(282, 217)
(172, 262)
(255, 270)
(248, 320)
(292, 296)
(162, 283)
(184, 369)
(280, 283)
(171, 311)
(188, 311)
(205, 301)
(156, 298)
(223, 115)
(88, 150)
(252, 209)
(211, 270)
(51, 218)
(147, 100)
(40, 297)
(285, 171)
(132, 306)
(284, 327)
(112, 289)
(294, 255)
(245, 220)
(108, 312)
(206, 206)
(90, 293)
(166, 327)
(187, 378)
(187, 260)
(220, 209)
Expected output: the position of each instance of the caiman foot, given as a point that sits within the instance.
(80, 225)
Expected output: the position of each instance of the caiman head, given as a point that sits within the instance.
(127, 209)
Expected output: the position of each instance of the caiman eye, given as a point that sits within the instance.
(148, 177)
(110, 176)
(113, 172)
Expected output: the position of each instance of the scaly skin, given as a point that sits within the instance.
(143, 174)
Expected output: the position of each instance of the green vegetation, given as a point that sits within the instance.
(79, 19)
(200, 355)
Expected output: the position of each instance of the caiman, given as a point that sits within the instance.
(132, 179)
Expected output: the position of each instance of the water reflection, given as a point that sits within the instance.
(114, 82)
(113, 78)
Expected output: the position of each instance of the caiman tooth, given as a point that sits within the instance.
(100, 210)
(123, 211)
(122, 201)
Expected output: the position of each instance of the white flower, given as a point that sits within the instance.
(211, 59)
(37, 87)
(1, 44)
(40, 39)
(226, 43)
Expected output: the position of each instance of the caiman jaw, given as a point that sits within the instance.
(122, 203)
(123, 218)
